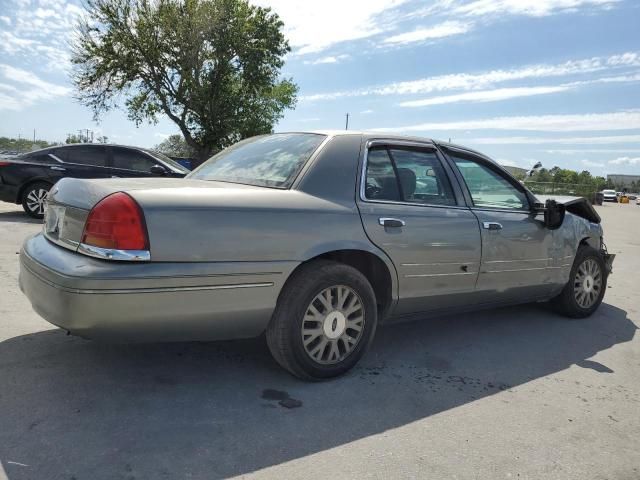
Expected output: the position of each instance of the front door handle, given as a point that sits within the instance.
(60, 169)
(391, 222)
(492, 225)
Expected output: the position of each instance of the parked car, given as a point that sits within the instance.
(313, 238)
(610, 196)
(27, 179)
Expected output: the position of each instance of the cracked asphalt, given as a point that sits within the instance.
(513, 393)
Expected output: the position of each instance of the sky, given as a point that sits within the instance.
(555, 81)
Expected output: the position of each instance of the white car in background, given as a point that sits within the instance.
(610, 196)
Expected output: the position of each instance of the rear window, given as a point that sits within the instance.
(266, 161)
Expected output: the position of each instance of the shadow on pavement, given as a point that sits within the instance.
(75, 409)
(17, 216)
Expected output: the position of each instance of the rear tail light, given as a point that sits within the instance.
(116, 222)
(4, 164)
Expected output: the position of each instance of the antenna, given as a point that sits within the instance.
(346, 126)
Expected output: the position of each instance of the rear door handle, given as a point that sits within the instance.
(60, 169)
(391, 222)
(492, 225)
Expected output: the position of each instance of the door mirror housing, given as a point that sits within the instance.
(553, 213)
(158, 170)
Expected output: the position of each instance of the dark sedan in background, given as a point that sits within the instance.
(27, 179)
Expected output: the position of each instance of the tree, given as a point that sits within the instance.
(211, 66)
(175, 146)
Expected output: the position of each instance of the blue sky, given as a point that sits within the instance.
(556, 81)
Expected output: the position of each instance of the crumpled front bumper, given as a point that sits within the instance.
(608, 261)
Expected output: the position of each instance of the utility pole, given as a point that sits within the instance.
(34, 135)
(346, 126)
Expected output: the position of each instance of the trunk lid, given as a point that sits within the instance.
(71, 199)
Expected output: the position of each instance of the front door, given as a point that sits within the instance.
(412, 211)
(518, 258)
(128, 162)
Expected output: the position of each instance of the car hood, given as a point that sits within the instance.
(579, 206)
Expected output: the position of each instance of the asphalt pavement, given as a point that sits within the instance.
(512, 393)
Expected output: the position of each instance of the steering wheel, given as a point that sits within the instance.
(372, 191)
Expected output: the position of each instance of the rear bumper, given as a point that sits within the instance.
(138, 302)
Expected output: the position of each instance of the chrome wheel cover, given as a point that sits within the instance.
(333, 325)
(587, 283)
(36, 200)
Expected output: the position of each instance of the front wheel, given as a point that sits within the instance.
(34, 198)
(584, 292)
(324, 321)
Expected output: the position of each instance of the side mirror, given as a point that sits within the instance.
(553, 214)
(158, 170)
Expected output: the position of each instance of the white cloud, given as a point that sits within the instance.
(368, 111)
(591, 164)
(574, 151)
(474, 81)
(25, 88)
(445, 29)
(485, 96)
(40, 30)
(550, 123)
(534, 8)
(311, 27)
(603, 140)
(329, 59)
(625, 161)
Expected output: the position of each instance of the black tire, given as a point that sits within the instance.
(567, 303)
(285, 331)
(32, 200)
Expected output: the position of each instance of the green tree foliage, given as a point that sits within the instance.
(74, 139)
(564, 181)
(211, 66)
(22, 145)
(175, 146)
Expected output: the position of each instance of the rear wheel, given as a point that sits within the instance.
(34, 197)
(324, 322)
(584, 292)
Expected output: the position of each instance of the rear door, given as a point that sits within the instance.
(83, 161)
(128, 162)
(519, 261)
(412, 211)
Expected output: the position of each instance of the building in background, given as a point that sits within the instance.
(621, 181)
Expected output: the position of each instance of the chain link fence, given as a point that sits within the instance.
(587, 191)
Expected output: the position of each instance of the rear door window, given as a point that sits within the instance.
(84, 155)
(408, 175)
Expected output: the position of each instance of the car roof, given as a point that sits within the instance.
(381, 134)
(73, 145)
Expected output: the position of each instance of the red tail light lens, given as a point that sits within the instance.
(116, 222)
(4, 164)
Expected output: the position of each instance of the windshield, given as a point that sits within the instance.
(169, 161)
(266, 161)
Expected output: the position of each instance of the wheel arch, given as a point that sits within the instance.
(375, 266)
(27, 184)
